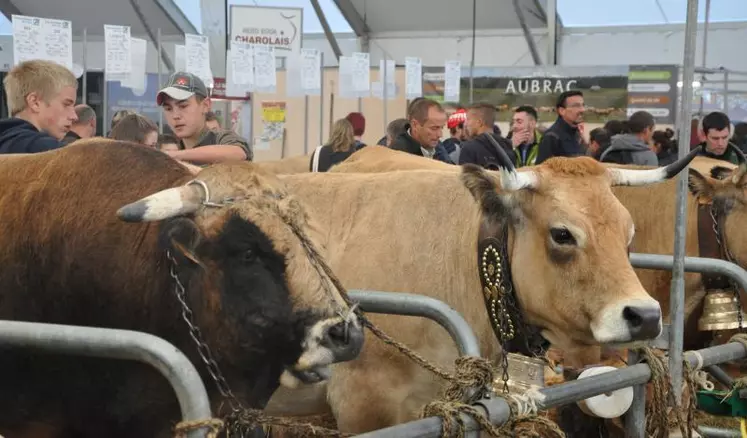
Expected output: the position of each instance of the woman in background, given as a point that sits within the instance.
(338, 148)
(137, 129)
(664, 146)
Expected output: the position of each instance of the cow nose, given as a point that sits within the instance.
(344, 340)
(644, 322)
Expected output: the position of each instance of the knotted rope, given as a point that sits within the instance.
(659, 418)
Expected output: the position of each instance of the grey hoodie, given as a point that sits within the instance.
(638, 152)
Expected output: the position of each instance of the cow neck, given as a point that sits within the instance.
(501, 303)
(712, 240)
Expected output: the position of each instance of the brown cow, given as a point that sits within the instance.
(417, 231)
(233, 239)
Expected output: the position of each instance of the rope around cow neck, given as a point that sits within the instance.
(470, 372)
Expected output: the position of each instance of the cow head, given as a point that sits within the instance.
(726, 192)
(568, 247)
(245, 249)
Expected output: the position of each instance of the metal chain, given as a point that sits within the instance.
(729, 258)
(202, 348)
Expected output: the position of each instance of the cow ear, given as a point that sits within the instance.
(699, 186)
(720, 172)
(180, 236)
(484, 188)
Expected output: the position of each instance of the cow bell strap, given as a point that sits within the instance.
(709, 244)
(501, 304)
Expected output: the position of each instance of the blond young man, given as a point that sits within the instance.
(185, 103)
(41, 103)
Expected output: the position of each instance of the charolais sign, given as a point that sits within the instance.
(277, 27)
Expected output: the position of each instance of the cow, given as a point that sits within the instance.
(111, 234)
(557, 229)
(289, 165)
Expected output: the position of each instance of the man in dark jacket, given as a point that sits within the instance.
(84, 127)
(715, 129)
(426, 120)
(563, 138)
(41, 102)
(633, 148)
(479, 149)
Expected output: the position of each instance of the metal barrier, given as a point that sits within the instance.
(395, 303)
(117, 344)
(498, 411)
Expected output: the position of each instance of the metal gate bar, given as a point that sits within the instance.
(692, 264)
(498, 411)
(117, 344)
(395, 303)
(717, 432)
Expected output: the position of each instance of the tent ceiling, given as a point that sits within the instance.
(423, 15)
(94, 14)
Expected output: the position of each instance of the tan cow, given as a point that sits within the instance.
(287, 166)
(417, 231)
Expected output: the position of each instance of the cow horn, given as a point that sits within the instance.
(506, 162)
(639, 177)
(167, 203)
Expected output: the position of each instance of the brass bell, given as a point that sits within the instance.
(720, 312)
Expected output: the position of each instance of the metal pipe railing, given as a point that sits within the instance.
(498, 411)
(692, 264)
(117, 344)
(423, 306)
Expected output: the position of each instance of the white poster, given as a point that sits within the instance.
(277, 27)
(58, 41)
(27, 39)
(361, 74)
(452, 77)
(137, 79)
(242, 64)
(345, 82)
(180, 57)
(413, 77)
(265, 80)
(118, 48)
(232, 88)
(311, 71)
(387, 71)
(197, 51)
(293, 80)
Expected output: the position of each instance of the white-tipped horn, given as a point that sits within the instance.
(164, 204)
(642, 177)
(512, 180)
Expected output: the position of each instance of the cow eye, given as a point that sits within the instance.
(562, 236)
(249, 256)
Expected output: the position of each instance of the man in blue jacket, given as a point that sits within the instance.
(563, 138)
(41, 102)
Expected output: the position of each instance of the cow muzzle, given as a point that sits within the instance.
(327, 342)
(628, 321)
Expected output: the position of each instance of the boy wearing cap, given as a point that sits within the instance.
(185, 104)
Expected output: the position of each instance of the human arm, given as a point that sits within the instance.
(210, 154)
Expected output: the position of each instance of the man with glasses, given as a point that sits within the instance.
(563, 138)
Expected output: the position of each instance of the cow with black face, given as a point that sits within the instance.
(235, 242)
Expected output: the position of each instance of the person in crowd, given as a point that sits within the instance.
(695, 135)
(740, 136)
(339, 147)
(84, 127)
(211, 121)
(118, 115)
(359, 127)
(41, 102)
(426, 119)
(664, 146)
(525, 138)
(455, 123)
(563, 138)
(614, 127)
(715, 131)
(136, 128)
(393, 130)
(633, 148)
(185, 103)
(168, 142)
(599, 141)
(479, 149)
